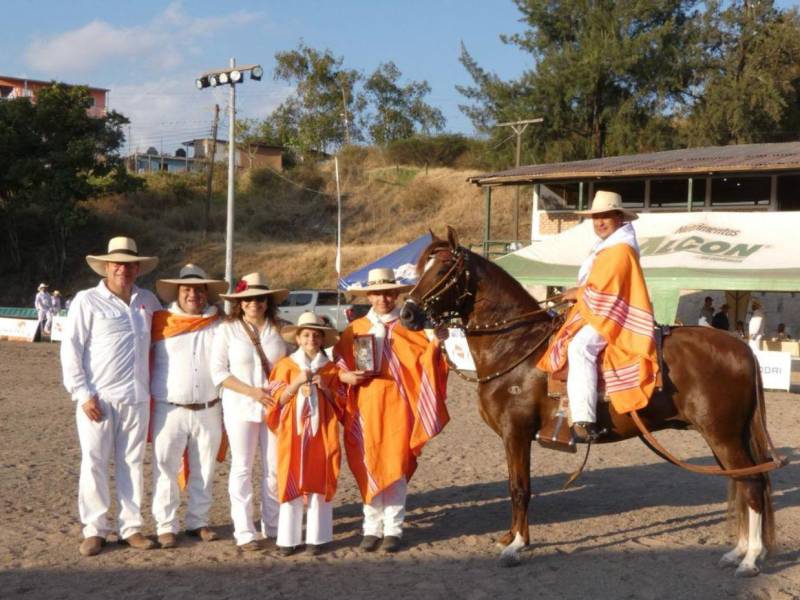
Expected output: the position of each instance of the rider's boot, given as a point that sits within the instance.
(586, 432)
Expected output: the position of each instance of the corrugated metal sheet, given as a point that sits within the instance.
(688, 161)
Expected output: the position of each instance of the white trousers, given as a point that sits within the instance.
(319, 521)
(175, 429)
(121, 433)
(244, 437)
(387, 511)
(755, 343)
(582, 354)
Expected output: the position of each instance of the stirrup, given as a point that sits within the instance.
(586, 432)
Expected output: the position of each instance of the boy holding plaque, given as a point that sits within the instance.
(396, 387)
(305, 418)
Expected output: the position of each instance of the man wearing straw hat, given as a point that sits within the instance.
(43, 303)
(105, 362)
(756, 326)
(187, 416)
(612, 314)
(392, 411)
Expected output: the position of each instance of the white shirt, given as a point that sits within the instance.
(182, 364)
(42, 302)
(233, 353)
(106, 345)
(756, 325)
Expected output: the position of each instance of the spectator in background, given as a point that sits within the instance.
(740, 333)
(720, 320)
(55, 303)
(755, 328)
(781, 334)
(43, 303)
(706, 312)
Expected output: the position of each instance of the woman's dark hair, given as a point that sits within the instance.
(271, 312)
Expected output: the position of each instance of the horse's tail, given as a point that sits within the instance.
(760, 451)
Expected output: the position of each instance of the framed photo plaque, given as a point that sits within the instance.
(365, 353)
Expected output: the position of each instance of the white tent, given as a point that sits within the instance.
(681, 251)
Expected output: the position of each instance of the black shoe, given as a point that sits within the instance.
(286, 550)
(369, 543)
(315, 549)
(585, 432)
(391, 543)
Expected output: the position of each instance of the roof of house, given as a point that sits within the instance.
(43, 82)
(221, 141)
(688, 161)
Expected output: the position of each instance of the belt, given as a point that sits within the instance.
(201, 406)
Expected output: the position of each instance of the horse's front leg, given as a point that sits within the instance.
(518, 456)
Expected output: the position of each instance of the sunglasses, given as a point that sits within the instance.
(255, 299)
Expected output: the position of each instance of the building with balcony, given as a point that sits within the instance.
(21, 87)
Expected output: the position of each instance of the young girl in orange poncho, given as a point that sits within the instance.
(305, 418)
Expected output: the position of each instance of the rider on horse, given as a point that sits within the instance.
(612, 316)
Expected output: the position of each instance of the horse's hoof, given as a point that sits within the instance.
(510, 559)
(747, 570)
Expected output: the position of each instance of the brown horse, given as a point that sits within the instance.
(711, 384)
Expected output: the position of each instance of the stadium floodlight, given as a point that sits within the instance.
(231, 76)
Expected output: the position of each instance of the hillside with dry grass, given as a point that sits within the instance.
(286, 223)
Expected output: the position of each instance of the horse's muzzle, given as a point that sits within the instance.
(411, 316)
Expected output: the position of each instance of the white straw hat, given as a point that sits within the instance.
(190, 274)
(380, 280)
(42, 286)
(255, 284)
(308, 320)
(607, 202)
(121, 250)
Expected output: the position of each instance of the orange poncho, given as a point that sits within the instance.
(389, 418)
(313, 469)
(167, 324)
(615, 302)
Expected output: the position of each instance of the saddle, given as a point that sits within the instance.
(556, 432)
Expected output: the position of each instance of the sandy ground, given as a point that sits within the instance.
(632, 527)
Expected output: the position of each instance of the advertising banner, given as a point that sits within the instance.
(20, 330)
(776, 369)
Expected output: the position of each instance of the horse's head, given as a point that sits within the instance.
(442, 286)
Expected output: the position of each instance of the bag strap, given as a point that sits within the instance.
(252, 333)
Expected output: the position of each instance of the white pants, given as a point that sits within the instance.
(582, 354)
(175, 428)
(121, 433)
(387, 511)
(319, 521)
(755, 343)
(243, 437)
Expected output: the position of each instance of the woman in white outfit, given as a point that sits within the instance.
(246, 347)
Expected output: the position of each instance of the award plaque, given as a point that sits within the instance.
(365, 353)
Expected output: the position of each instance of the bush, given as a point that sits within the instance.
(434, 151)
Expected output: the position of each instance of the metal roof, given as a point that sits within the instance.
(688, 161)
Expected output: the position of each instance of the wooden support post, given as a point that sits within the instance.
(210, 179)
(487, 219)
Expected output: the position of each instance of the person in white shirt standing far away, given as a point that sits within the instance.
(105, 361)
(43, 302)
(186, 412)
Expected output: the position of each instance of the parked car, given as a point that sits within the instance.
(322, 303)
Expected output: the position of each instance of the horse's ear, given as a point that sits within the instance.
(452, 237)
(434, 237)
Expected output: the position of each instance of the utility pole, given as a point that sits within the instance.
(344, 113)
(518, 127)
(210, 175)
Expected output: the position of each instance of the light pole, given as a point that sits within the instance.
(230, 76)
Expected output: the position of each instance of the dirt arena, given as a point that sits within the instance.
(632, 527)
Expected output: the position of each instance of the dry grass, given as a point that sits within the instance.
(289, 233)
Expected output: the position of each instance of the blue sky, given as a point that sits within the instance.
(148, 52)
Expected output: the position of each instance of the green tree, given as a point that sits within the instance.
(398, 111)
(751, 81)
(53, 156)
(608, 76)
(314, 116)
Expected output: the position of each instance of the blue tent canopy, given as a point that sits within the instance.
(403, 261)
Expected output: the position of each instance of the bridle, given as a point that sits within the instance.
(457, 278)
